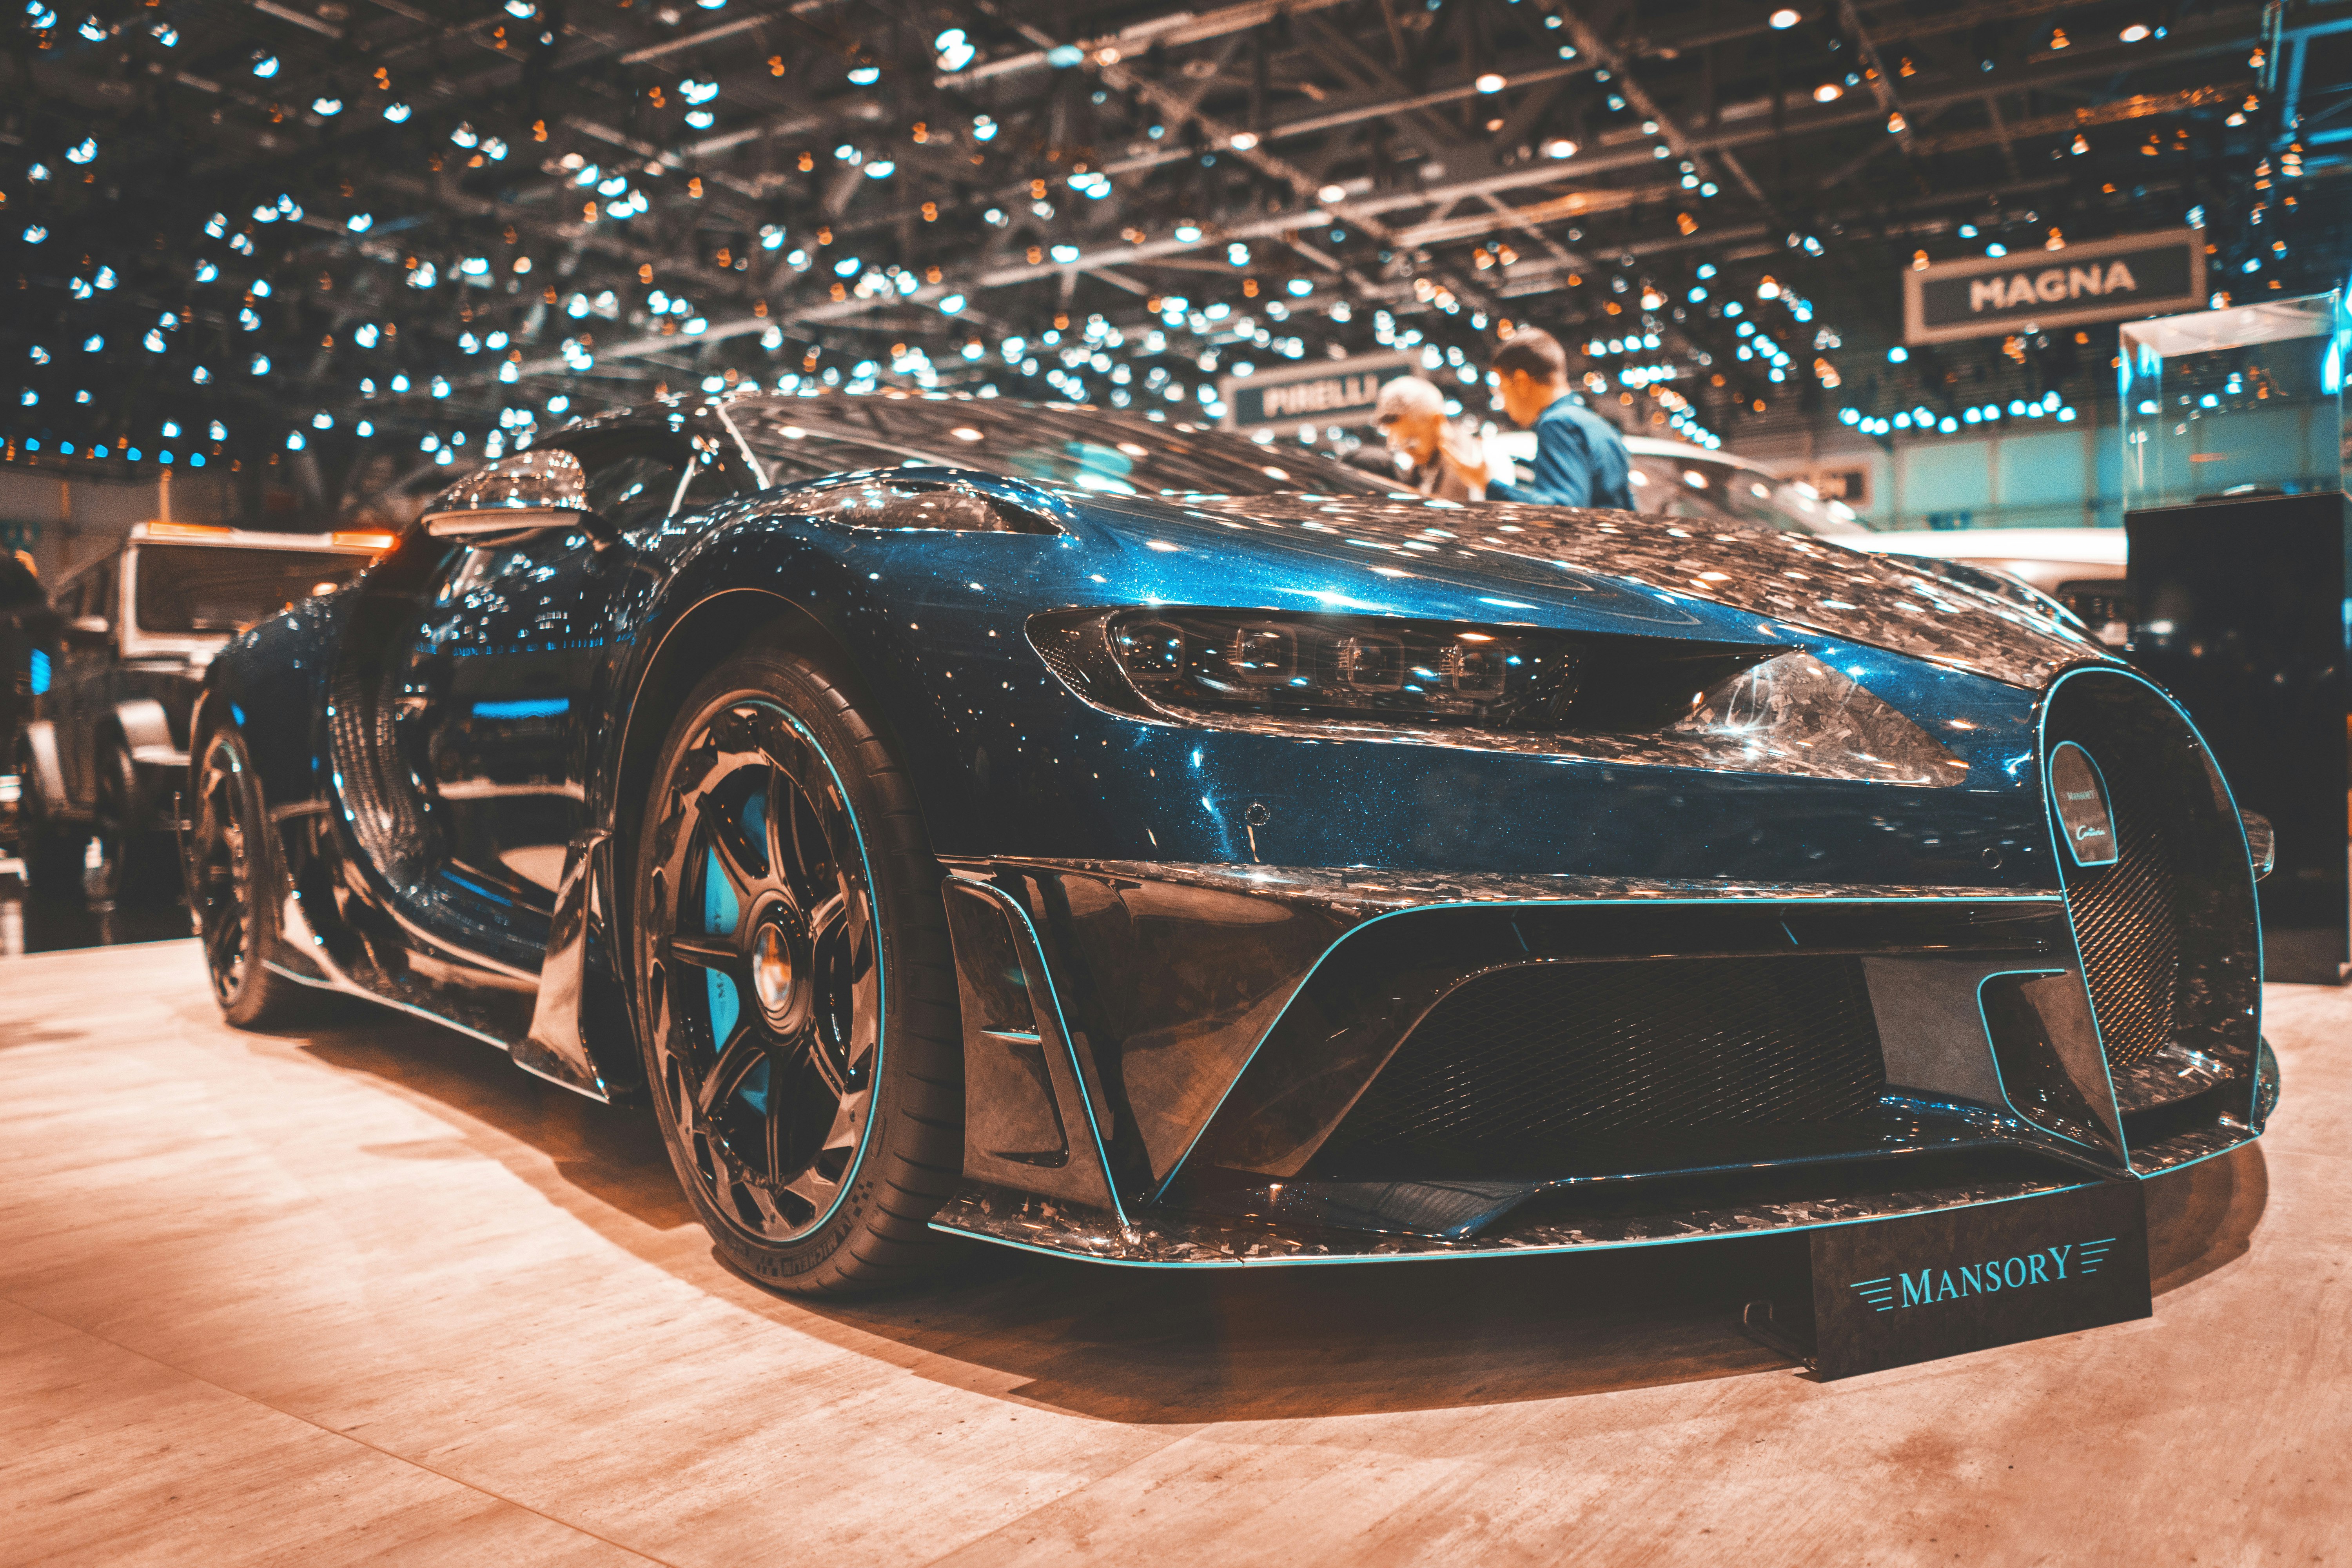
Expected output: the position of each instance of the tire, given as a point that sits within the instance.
(121, 818)
(235, 884)
(802, 1042)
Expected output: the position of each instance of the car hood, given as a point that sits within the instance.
(1530, 555)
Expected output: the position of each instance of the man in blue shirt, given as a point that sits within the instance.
(1580, 457)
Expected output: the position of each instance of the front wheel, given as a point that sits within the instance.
(802, 1039)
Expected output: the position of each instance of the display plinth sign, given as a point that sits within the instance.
(1896, 1292)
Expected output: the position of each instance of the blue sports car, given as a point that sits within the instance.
(1105, 836)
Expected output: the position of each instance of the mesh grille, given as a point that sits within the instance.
(2130, 932)
(1528, 1059)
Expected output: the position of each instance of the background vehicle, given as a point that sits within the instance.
(28, 648)
(2081, 568)
(1124, 840)
(137, 627)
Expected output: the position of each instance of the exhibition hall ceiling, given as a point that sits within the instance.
(344, 239)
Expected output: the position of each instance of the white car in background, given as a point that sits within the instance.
(2081, 568)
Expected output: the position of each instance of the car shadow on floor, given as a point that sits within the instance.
(1152, 1345)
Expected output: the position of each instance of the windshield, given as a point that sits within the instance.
(1117, 454)
(1715, 491)
(227, 588)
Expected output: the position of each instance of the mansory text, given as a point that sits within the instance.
(1122, 839)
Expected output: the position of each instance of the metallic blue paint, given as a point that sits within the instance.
(1009, 764)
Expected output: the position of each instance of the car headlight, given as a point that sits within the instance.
(1229, 667)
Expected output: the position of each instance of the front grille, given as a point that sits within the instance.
(2167, 933)
(2127, 925)
(1524, 1065)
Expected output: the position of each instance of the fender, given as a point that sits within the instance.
(49, 774)
(147, 730)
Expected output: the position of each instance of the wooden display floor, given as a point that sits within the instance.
(374, 1293)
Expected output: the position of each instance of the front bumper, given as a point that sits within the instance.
(1223, 1064)
(1174, 1065)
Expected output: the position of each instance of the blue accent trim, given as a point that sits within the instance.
(1069, 1047)
(473, 887)
(236, 713)
(1177, 1169)
(1471, 1251)
(39, 664)
(2042, 746)
(524, 708)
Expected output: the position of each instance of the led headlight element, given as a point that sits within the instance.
(1413, 671)
(1260, 669)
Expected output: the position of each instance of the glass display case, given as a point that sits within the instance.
(2244, 401)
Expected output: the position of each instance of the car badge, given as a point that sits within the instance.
(2080, 795)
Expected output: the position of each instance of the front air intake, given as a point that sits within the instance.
(1533, 1067)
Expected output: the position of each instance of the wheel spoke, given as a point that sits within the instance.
(224, 944)
(811, 1047)
(742, 879)
(849, 1120)
(812, 1188)
(807, 859)
(720, 954)
(742, 1053)
(826, 918)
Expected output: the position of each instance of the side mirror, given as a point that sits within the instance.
(88, 631)
(515, 496)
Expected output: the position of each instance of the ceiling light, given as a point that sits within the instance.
(1828, 92)
(1333, 195)
(954, 49)
(865, 76)
(1243, 141)
(1490, 81)
(1559, 147)
(1785, 19)
(2135, 33)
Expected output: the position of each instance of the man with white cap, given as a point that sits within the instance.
(1410, 413)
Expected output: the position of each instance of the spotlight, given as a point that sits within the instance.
(1785, 19)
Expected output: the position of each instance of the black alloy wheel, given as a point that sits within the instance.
(122, 821)
(233, 885)
(801, 1034)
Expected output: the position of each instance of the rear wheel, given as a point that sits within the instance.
(802, 1040)
(233, 886)
(125, 840)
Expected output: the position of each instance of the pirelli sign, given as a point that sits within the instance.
(2105, 280)
(1338, 392)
